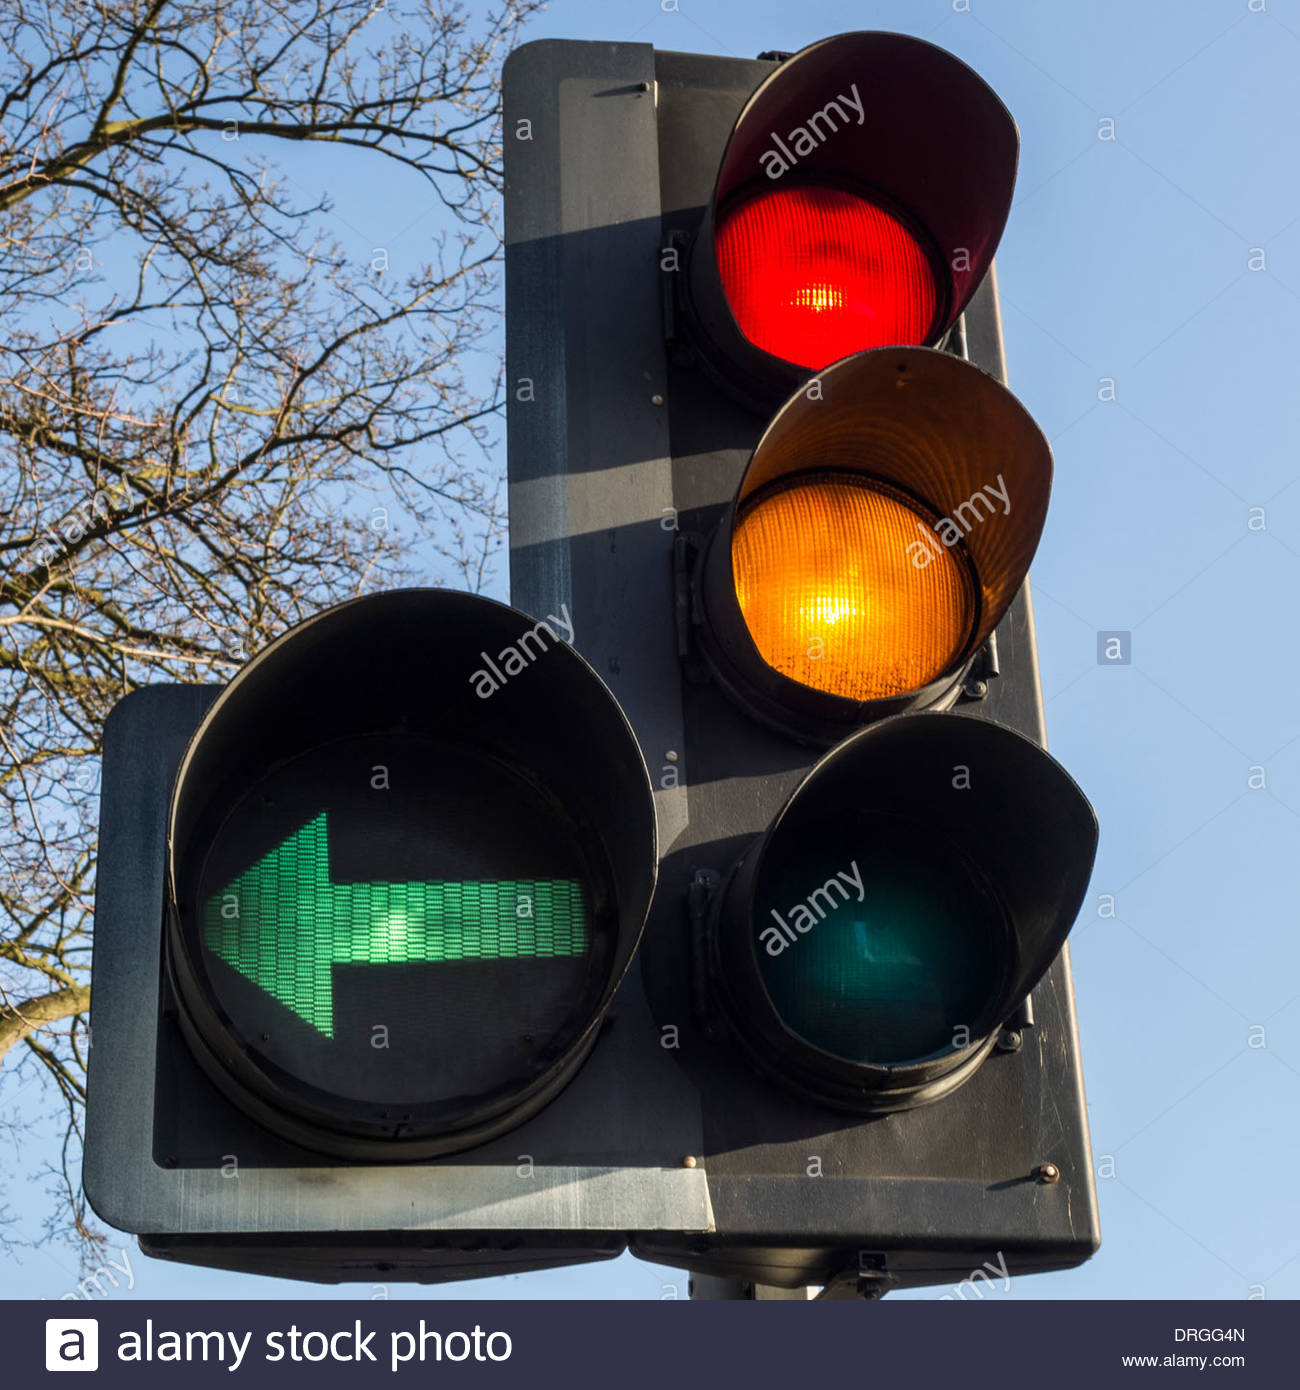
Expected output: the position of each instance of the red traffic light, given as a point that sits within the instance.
(813, 274)
(857, 205)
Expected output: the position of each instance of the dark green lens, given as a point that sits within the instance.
(876, 941)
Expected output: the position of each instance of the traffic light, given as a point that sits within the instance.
(359, 913)
(882, 526)
(739, 938)
(397, 913)
(869, 947)
(857, 204)
(760, 438)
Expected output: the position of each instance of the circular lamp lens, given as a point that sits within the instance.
(845, 586)
(394, 924)
(813, 274)
(876, 946)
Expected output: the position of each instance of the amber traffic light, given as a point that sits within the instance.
(883, 524)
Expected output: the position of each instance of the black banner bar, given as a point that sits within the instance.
(655, 1345)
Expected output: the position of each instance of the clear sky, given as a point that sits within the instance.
(1150, 280)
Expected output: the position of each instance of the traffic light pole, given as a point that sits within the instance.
(714, 1287)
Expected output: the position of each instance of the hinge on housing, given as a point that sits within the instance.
(1011, 1036)
(672, 265)
(688, 547)
(983, 668)
(699, 906)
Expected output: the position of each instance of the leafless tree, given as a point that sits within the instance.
(212, 396)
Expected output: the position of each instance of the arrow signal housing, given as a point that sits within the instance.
(408, 668)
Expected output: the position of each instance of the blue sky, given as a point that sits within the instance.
(1160, 267)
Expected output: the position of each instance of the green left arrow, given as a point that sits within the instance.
(284, 925)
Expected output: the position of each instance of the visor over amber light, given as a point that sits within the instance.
(883, 525)
(858, 205)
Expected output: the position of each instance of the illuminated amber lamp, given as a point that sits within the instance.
(874, 542)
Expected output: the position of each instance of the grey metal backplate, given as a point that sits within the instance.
(600, 472)
(166, 1153)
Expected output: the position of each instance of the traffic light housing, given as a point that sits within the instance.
(785, 508)
(401, 891)
(867, 949)
(646, 436)
(359, 919)
(881, 527)
(857, 204)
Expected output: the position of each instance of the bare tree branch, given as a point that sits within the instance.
(221, 406)
(18, 1022)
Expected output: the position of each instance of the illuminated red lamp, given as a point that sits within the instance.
(813, 274)
(858, 204)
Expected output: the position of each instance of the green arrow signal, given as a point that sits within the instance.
(284, 925)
